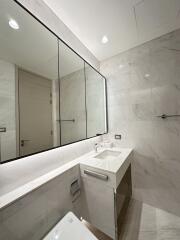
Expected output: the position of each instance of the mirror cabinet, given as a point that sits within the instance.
(49, 95)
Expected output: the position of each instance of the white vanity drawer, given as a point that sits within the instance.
(94, 174)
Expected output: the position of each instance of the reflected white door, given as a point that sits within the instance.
(7, 111)
(35, 113)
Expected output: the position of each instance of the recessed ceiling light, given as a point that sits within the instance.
(56, 236)
(147, 75)
(104, 39)
(13, 24)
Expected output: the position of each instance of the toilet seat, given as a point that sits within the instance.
(70, 228)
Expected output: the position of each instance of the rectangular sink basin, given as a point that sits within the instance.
(108, 154)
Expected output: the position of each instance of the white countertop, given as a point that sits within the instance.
(86, 159)
(109, 165)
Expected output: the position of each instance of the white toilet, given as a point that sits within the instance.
(70, 228)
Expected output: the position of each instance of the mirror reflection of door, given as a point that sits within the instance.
(35, 115)
(7, 111)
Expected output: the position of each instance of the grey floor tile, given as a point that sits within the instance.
(168, 235)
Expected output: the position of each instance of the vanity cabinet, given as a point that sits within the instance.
(98, 205)
(103, 205)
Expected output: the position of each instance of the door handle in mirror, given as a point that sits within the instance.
(23, 142)
(2, 129)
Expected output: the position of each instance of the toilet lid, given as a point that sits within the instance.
(70, 227)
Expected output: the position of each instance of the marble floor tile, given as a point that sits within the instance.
(168, 235)
(99, 235)
(143, 235)
(167, 221)
(148, 219)
(145, 222)
(146, 235)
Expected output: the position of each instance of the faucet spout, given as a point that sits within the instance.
(96, 145)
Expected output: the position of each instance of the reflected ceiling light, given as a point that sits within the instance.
(147, 75)
(104, 39)
(13, 24)
(121, 66)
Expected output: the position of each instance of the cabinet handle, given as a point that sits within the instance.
(96, 175)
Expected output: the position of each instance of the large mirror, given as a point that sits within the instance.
(28, 79)
(49, 96)
(96, 102)
(72, 96)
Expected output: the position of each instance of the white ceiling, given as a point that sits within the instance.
(127, 23)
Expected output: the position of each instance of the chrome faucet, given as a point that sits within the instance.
(96, 145)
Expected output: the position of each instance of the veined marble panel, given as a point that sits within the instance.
(143, 83)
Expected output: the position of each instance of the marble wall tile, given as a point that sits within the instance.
(143, 83)
(32, 216)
